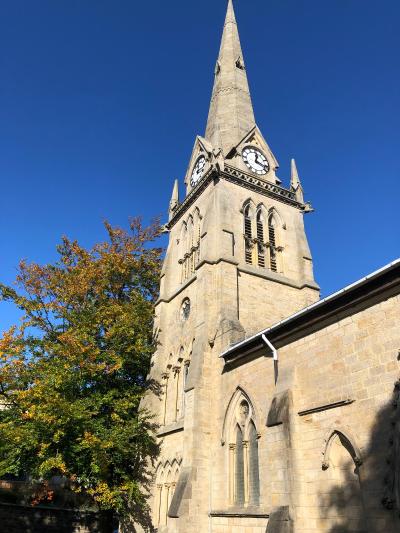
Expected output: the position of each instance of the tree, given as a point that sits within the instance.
(73, 372)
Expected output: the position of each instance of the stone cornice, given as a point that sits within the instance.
(177, 292)
(326, 407)
(239, 177)
(273, 276)
(266, 188)
(171, 428)
(245, 512)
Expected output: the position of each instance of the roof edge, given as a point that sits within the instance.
(229, 353)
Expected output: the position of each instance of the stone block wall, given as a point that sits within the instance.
(20, 519)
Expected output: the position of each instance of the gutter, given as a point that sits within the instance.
(262, 335)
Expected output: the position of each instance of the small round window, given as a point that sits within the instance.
(185, 309)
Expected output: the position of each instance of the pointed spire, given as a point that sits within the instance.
(295, 183)
(231, 114)
(174, 199)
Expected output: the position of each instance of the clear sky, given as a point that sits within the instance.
(100, 102)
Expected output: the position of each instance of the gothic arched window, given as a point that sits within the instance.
(166, 480)
(196, 238)
(248, 235)
(182, 251)
(273, 263)
(244, 481)
(260, 239)
(174, 383)
(190, 245)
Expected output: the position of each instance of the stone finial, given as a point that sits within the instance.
(295, 183)
(173, 204)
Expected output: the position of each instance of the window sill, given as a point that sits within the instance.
(245, 512)
(171, 428)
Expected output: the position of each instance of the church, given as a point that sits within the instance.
(279, 412)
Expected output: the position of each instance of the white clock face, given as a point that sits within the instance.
(198, 170)
(255, 160)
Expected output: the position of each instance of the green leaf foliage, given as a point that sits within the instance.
(74, 370)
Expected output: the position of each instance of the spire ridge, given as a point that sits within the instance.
(231, 114)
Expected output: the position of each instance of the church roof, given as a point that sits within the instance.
(369, 290)
(231, 114)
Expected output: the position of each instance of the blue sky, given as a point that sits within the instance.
(100, 102)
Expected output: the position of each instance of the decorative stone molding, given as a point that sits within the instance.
(171, 428)
(325, 407)
(236, 176)
(241, 512)
(238, 396)
(347, 440)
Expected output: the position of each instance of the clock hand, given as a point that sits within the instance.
(258, 162)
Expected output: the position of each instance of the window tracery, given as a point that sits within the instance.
(263, 237)
(244, 482)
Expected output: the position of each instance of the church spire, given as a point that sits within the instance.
(231, 114)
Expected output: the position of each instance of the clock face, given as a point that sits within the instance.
(198, 171)
(255, 160)
(185, 309)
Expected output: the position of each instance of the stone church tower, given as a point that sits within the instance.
(276, 413)
(237, 260)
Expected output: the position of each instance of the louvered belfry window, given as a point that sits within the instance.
(260, 240)
(272, 244)
(248, 235)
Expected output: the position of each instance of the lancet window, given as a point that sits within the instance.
(174, 381)
(244, 480)
(166, 481)
(273, 249)
(262, 238)
(248, 235)
(190, 245)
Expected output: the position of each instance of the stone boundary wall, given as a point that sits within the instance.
(20, 519)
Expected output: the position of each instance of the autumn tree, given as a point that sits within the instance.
(73, 371)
